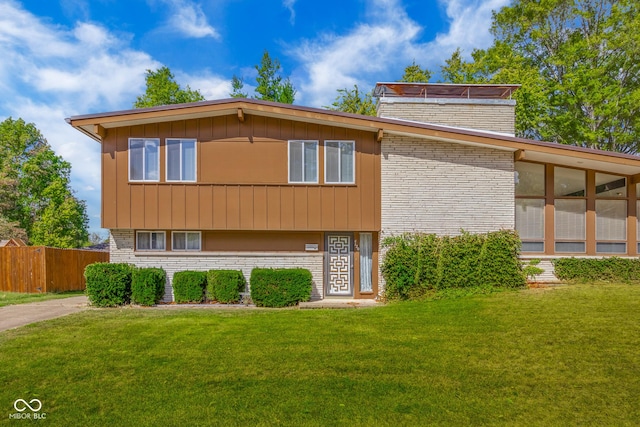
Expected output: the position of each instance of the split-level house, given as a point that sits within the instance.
(242, 183)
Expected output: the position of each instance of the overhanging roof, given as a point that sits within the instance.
(436, 90)
(96, 126)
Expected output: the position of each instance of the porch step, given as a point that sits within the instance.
(338, 303)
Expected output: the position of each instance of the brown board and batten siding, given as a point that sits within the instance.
(242, 179)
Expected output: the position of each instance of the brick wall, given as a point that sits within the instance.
(121, 248)
(491, 115)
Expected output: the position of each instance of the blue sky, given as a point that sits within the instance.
(67, 57)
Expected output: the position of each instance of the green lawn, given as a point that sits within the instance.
(9, 298)
(562, 357)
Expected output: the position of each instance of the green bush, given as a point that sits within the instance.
(591, 269)
(280, 287)
(188, 286)
(108, 285)
(416, 264)
(147, 285)
(224, 286)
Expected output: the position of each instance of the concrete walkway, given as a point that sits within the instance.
(14, 316)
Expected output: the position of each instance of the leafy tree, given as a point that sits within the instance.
(354, 101)
(35, 189)
(415, 74)
(579, 65)
(270, 84)
(162, 89)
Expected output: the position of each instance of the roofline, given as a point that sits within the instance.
(334, 118)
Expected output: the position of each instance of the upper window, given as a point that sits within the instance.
(144, 159)
(610, 185)
(339, 162)
(529, 178)
(303, 161)
(150, 240)
(181, 159)
(185, 241)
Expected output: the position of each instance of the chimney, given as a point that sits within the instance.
(481, 107)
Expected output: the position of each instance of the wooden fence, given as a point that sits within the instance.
(35, 269)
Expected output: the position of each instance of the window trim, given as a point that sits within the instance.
(186, 232)
(144, 161)
(353, 161)
(195, 160)
(164, 240)
(316, 142)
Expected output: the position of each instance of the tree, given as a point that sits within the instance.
(353, 101)
(162, 89)
(579, 65)
(270, 84)
(415, 74)
(35, 189)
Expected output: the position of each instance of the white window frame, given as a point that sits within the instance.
(186, 240)
(144, 160)
(195, 159)
(353, 160)
(303, 162)
(150, 232)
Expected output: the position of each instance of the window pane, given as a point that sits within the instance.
(610, 185)
(638, 218)
(611, 220)
(530, 218)
(346, 162)
(611, 248)
(193, 241)
(310, 162)
(569, 182)
(366, 253)
(136, 159)
(295, 161)
(529, 179)
(179, 241)
(570, 247)
(173, 160)
(532, 246)
(189, 160)
(157, 241)
(332, 161)
(570, 219)
(144, 241)
(151, 159)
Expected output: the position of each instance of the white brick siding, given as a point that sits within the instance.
(121, 248)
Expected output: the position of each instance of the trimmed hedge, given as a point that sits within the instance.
(224, 286)
(108, 285)
(604, 269)
(188, 286)
(280, 287)
(147, 285)
(415, 264)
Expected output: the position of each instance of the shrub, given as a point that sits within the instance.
(591, 269)
(188, 286)
(415, 264)
(147, 285)
(280, 287)
(108, 285)
(224, 286)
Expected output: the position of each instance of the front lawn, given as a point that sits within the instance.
(9, 298)
(567, 356)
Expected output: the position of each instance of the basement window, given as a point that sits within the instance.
(186, 240)
(150, 241)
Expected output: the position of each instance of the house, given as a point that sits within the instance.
(242, 183)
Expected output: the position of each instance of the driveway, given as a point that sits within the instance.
(14, 316)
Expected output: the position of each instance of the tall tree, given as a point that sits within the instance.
(29, 173)
(162, 89)
(354, 101)
(270, 84)
(579, 65)
(415, 74)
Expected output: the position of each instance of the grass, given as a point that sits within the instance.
(10, 298)
(567, 356)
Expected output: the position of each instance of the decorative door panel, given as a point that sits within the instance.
(338, 276)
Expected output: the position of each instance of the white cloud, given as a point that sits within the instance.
(188, 19)
(289, 4)
(211, 86)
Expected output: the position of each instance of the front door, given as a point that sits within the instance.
(338, 266)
